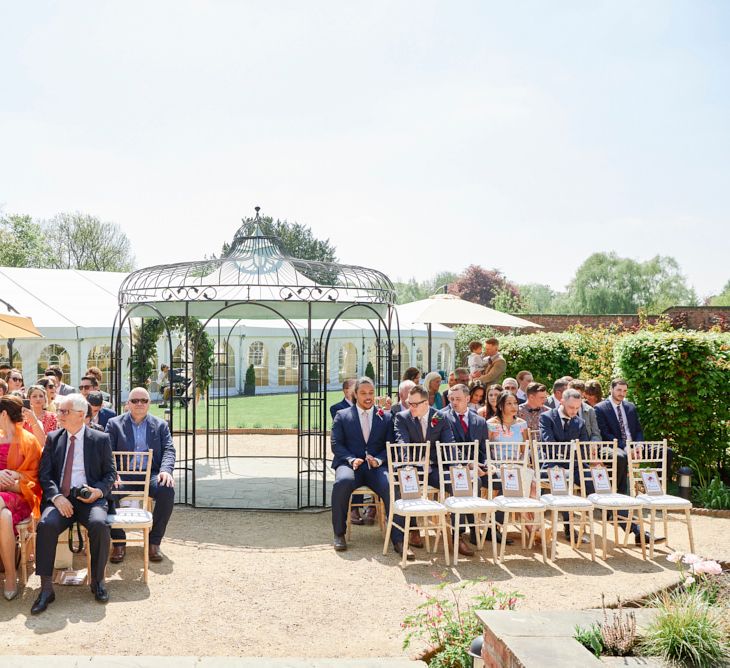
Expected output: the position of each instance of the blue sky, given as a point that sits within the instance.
(417, 136)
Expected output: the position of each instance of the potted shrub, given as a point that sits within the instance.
(249, 386)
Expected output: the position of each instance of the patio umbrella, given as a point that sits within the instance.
(452, 310)
(15, 326)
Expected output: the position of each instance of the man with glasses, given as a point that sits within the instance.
(138, 431)
(74, 457)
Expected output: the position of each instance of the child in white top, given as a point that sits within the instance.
(476, 360)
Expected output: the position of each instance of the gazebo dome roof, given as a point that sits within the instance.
(256, 272)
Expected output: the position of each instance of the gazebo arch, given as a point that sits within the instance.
(256, 280)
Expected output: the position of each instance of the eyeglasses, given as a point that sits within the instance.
(66, 411)
(417, 403)
(139, 401)
(85, 387)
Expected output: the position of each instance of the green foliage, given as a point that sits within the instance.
(413, 290)
(679, 382)
(688, 631)
(145, 338)
(606, 283)
(714, 495)
(22, 243)
(592, 350)
(537, 298)
(249, 386)
(483, 286)
(448, 623)
(590, 638)
(465, 334)
(370, 371)
(81, 241)
(723, 299)
(548, 356)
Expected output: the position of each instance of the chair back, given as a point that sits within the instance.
(461, 459)
(534, 435)
(515, 454)
(546, 456)
(647, 457)
(134, 470)
(401, 456)
(597, 453)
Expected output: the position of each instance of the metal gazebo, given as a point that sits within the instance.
(256, 280)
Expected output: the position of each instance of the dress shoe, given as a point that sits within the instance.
(499, 537)
(370, 514)
(414, 538)
(647, 538)
(118, 552)
(464, 549)
(42, 602)
(339, 543)
(154, 553)
(398, 547)
(99, 591)
(584, 540)
(355, 517)
(10, 595)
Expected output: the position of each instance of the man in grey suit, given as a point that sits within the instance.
(586, 411)
(496, 365)
(559, 386)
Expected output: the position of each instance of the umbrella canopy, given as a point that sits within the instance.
(16, 326)
(453, 310)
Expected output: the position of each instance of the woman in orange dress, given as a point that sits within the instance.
(20, 489)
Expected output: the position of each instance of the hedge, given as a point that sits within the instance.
(679, 382)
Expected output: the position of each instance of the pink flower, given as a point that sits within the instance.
(708, 567)
(688, 581)
(691, 559)
(675, 557)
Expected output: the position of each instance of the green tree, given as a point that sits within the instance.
(482, 286)
(537, 298)
(81, 241)
(723, 299)
(22, 242)
(606, 283)
(411, 290)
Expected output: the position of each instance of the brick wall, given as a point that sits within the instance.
(689, 317)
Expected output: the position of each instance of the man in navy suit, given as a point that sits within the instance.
(420, 424)
(74, 457)
(99, 414)
(358, 442)
(136, 430)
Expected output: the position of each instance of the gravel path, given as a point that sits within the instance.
(269, 584)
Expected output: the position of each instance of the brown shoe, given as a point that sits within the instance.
(118, 552)
(355, 517)
(414, 538)
(370, 515)
(155, 554)
(465, 550)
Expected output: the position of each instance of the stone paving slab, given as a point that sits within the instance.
(200, 662)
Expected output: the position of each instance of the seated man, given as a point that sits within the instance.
(404, 390)
(359, 434)
(137, 431)
(348, 392)
(99, 414)
(74, 457)
(421, 424)
(534, 405)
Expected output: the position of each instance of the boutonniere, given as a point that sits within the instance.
(435, 420)
(380, 413)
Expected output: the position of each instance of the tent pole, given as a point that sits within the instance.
(428, 329)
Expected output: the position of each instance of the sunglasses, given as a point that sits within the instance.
(20, 380)
(85, 387)
(139, 401)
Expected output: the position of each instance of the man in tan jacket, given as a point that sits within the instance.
(496, 365)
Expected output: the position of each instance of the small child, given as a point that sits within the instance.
(475, 360)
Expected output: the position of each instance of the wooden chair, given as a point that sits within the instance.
(556, 491)
(461, 460)
(648, 471)
(408, 473)
(377, 502)
(26, 543)
(134, 469)
(513, 461)
(603, 455)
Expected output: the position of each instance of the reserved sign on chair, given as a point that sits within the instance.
(558, 485)
(651, 483)
(601, 481)
(408, 480)
(460, 480)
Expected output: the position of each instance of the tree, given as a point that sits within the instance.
(606, 283)
(81, 241)
(412, 290)
(22, 243)
(297, 240)
(537, 298)
(482, 286)
(723, 299)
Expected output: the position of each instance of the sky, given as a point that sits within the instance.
(418, 137)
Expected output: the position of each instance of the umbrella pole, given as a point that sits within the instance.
(428, 329)
(10, 352)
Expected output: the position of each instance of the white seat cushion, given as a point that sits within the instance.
(467, 503)
(418, 506)
(130, 516)
(664, 500)
(565, 501)
(614, 501)
(524, 503)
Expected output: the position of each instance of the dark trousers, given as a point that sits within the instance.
(52, 524)
(164, 501)
(347, 480)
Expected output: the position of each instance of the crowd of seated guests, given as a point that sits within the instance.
(44, 459)
(515, 409)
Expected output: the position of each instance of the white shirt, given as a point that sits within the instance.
(619, 408)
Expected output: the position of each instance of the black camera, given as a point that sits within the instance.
(82, 492)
